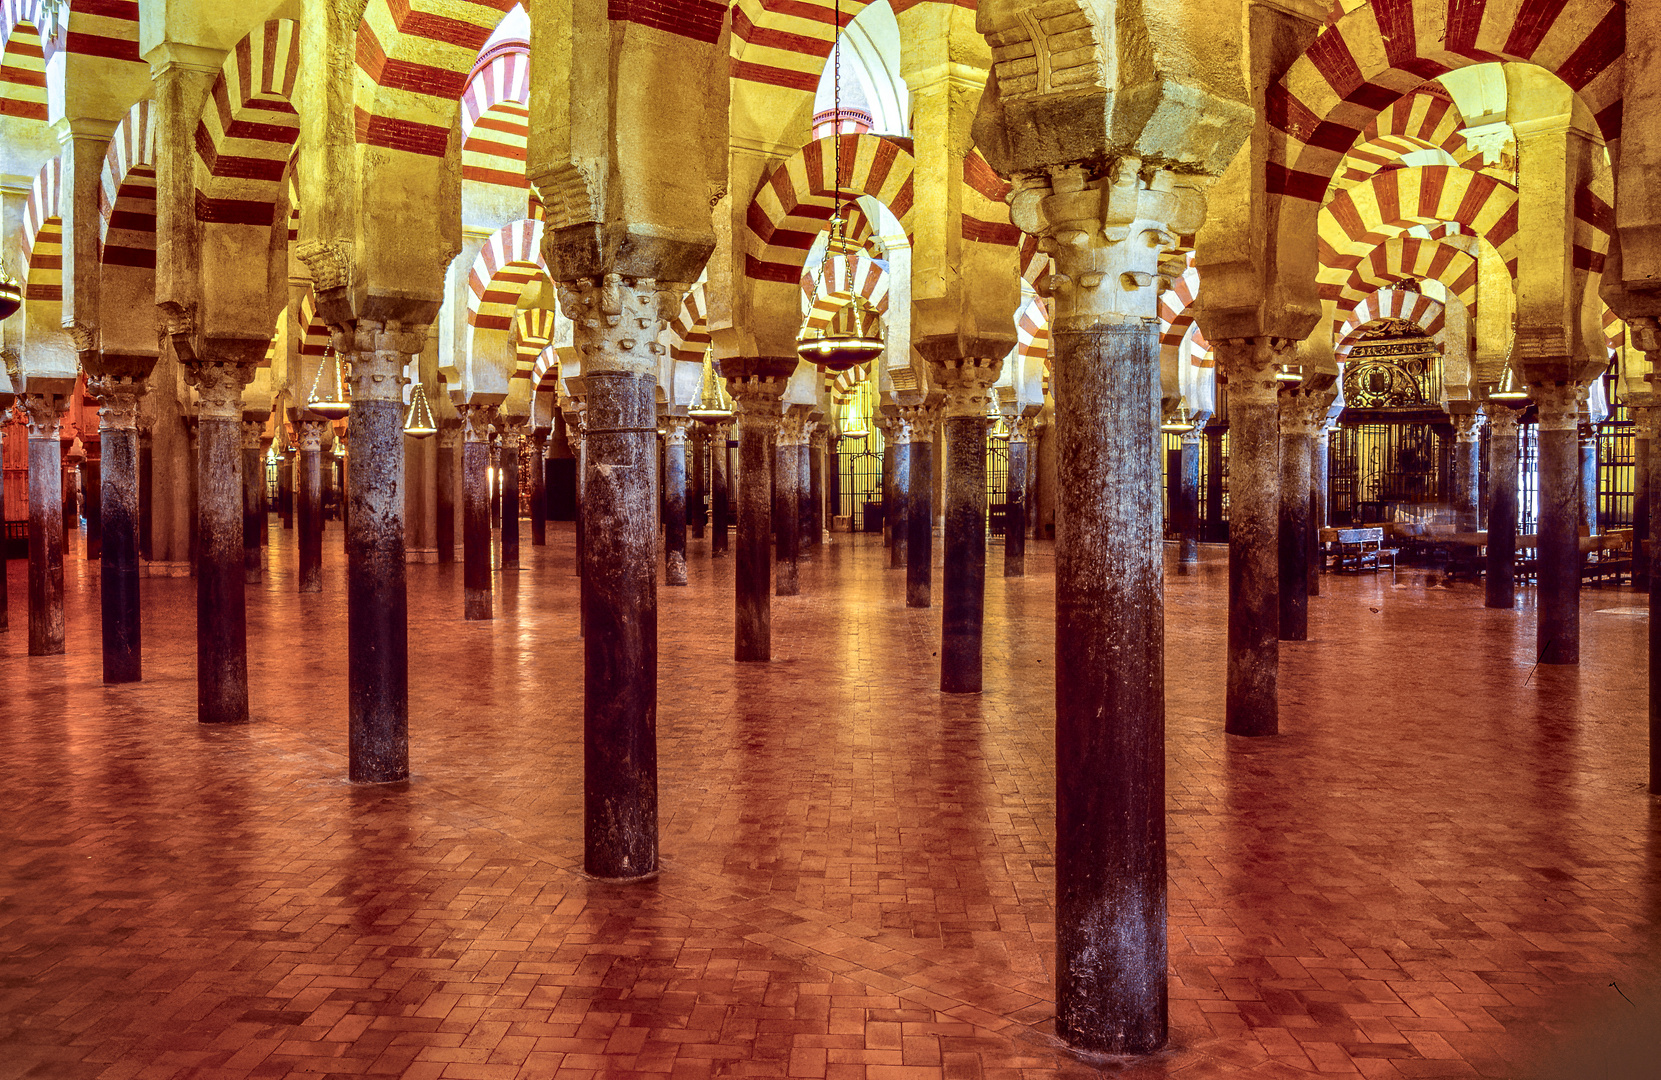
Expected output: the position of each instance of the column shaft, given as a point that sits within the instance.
(1654, 500)
(1588, 485)
(697, 498)
(620, 615)
(92, 499)
(377, 618)
(674, 503)
(447, 441)
(118, 591)
(786, 509)
(1015, 509)
(1557, 628)
(45, 529)
(889, 449)
(311, 509)
(1109, 690)
(1500, 575)
(1188, 503)
(475, 537)
(1467, 479)
(813, 497)
(1252, 704)
(1317, 505)
(253, 509)
(221, 602)
(900, 502)
(1294, 536)
(919, 517)
(508, 493)
(757, 454)
(963, 577)
(539, 499)
(719, 490)
(1640, 510)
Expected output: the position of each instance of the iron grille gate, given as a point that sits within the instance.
(1528, 478)
(859, 467)
(1615, 472)
(997, 486)
(1378, 467)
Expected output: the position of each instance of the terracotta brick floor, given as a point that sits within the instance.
(1438, 870)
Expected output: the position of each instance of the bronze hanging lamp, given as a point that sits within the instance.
(1181, 421)
(853, 423)
(329, 394)
(418, 422)
(11, 294)
(713, 404)
(853, 336)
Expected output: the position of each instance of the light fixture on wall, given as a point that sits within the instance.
(11, 294)
(713, 405)
(329, 395)
(852, 337)
(1181, 421)
(418, 422)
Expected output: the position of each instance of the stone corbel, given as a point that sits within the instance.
(176, 324)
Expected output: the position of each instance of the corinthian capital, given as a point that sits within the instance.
(476, 421)
(967, 383)
(1558, 405)
(117, 400)
(311, 435)
(618, 320)
(219, 388)
(330, 263)
(44, 413)
(1106, 233)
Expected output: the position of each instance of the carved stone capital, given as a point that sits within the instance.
(1249, 366)
(674, 430)
(792, 430)
(1502, 421)
(1646, 421)
(117, 400)
(219, 388)
(311, 435)
(375, 367)
(757, 399)
(1024, 429)
(330, 263)
(721, 431)
(44, 414)
(512, 430)
(618, 320)
(476, 421)
(1106, 235)
(252, 430)
(1558, 405)
(967, 383)
(1467, 427)
(449, 437)
(819, 437)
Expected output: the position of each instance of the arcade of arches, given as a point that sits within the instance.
(1204, 631)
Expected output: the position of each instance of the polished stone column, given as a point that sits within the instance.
(1645, 418)
(45, 414)
(720, 484)
(899, 502)
(512, 436)
(221, 600)
(377, 606)
(253, 501)
(919, 508)
(146, 493)
(311, 505)
(1557, 626)
(475, 534)
(118, 592)
(92, 498)
(449, 441)
(697, 495)
(1589, 476)
(1467, 467)
(967, 383)
(539, 491)
(576, 423)
(493, 478)
(1300, 416)
(674, 500)
(1500, 575)
(1187, 510)
(285, 485)
(1015, 497)
(813, 492)
(787, 473)
(1319, 483)
(1648, 427)
(617, 324)
(1252, 706)
(757, 385)
(887, 427)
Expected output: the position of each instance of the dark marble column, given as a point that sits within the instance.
(285, 486)
(146, 496)
(1644, 422)
(1015, 497)
(899, 502)
(1500, 576)
(1467, 467)
(720, 488)
(91, 496)
(69, 482)
(507, 492)
(118, 592)
(1297, 432)
(45, 414)
(449, 465)
(787, 471)
(1318, 482)
(1109, 685)
(494, 481)
(813, 491)
(674, 500)
(1212, 525)
(1557, 626)
(377, 607)
(576, 423)
(757, 385)
(1649, 420)
(919, 518)
(967, 384)
(697, 495)
(1187, 510)
(1588, 478)
(1252, 704)
(475, 536)
(221, 602)
(539, 493)
(253, 501)
(310, 513)
(889, 450)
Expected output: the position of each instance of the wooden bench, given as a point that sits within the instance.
(1361, 549)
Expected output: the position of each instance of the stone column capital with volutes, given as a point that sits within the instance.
(967, 383)
(311, 435)
(252, 432)
(1502, 419)
(476, 422)
(1646, 420)
(1302, 413)
(675, 429)
(617, 320)
(219, 385)
(118, 397)
(43, 413)
(1557, 405)
(1467, 426)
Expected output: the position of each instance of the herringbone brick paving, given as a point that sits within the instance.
(1438, 870)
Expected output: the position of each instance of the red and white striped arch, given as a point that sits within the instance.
(1424, 120)
(1410, 257)
(127, 192)
(1176, 320)
(99, 28)
(1032, 332)
(22, 61)
(314, 332)
(495, 117)
(533, 332)
(1358, 220)
(545, 373)
(1375, 54)
(249, 128)
(1033, 264)
(689, 330)
(785, 43)
(42, 227)
(795, 203)
(509, 260)
(833, 284)
(1416, 308)
(985, 205)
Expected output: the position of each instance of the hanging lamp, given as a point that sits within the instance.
(1510, 388)
(329, 396)
(11, 294)
(1181, 421)
(713, 404)
(853, 424)
(852, 337)
(1288, 374)
(419, 422)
